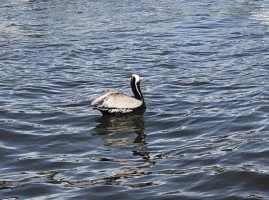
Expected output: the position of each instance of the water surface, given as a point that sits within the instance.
(204, 71)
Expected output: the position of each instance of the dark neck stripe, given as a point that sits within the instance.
(136, 89)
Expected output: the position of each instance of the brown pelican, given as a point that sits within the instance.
(117, 103)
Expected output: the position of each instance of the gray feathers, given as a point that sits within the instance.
(115, 102)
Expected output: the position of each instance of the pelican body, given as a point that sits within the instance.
(117, 103)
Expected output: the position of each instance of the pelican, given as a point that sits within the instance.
(117, 103)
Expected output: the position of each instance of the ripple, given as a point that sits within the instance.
(203, 71)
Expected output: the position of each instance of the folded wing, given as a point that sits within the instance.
(114, 102)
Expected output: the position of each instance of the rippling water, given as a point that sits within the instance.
(204, 70)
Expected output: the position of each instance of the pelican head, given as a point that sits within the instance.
(136, 78)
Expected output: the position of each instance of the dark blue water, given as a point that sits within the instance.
(205, 78)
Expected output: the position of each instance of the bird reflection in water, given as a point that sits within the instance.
(119, 129)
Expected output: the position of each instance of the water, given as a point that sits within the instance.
(204, 71)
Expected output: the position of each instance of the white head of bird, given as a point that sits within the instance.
(136, 78)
